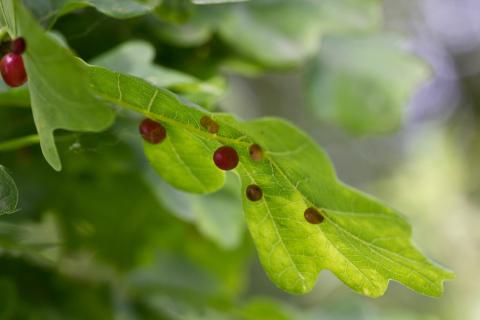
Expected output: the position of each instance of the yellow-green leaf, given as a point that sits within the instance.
(362, 241)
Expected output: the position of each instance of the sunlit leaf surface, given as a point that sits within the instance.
(361, 241)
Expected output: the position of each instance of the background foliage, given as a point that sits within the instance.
(107, 238)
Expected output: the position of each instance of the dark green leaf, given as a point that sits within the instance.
(41, 292)
(218, 215)
(59, 100)
(37, 242)
(8, 193)
(49, 10)
(14, 97)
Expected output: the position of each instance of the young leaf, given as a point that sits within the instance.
(363, 82)
(8, 193)
(363, 242)
(57, 82)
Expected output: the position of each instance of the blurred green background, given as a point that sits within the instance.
(390, 89)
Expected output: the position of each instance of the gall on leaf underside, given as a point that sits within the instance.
(362, 241)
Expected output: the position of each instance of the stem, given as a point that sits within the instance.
(19, 142)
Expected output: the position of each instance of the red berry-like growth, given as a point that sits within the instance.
(225, 158)
(18, 45)
(13, 70)
(152, 131)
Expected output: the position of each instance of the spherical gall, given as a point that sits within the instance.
(225, 158)
(152, 131)
(13, 70)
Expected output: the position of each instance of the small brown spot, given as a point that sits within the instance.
(313, 216)
(254, 192)
(209, 124)
(256, 152)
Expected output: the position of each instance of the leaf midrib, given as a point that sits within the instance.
(215, 137)
(230, 141)
(367, 244)
(269, 214)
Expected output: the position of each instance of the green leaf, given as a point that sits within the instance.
(59, 100)
(275, 34)
(267, 309)
(363, 83)
(61, 296)
(39, 242)
(350, 16)
(175, 11)
(10, 303)
(218, 215)
(193, 33)
(8, 193)
(280, 34)
(13, 97)
(136, 58)
(49, 10)
(363, 242)
(216, 1)
(101, 194)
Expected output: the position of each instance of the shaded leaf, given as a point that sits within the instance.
(350, 16)
(44, 293)
(36, 242)
(363, 83)
(8, 193)
(59, 100)
(267, 309)
(216, 1)
(49, 10)
(362, 241)
(218, 215)
(136, 58)
(100, 195)
(275, 34)
(279, 34)
(175, 11)
(14, 97)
